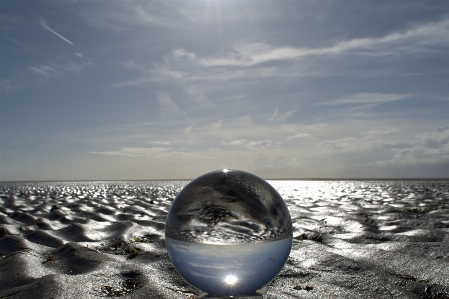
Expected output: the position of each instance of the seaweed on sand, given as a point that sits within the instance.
(128, 283)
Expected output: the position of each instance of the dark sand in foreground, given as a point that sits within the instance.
(351, 240)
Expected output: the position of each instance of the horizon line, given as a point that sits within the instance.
(267, 179)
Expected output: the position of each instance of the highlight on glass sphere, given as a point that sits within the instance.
(229, 233)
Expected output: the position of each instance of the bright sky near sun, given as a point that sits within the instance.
(121, 90)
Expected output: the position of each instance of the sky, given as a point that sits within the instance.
(142, 90)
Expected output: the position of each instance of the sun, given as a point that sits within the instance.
(230, 279)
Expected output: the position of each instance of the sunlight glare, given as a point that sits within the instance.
(230, 279)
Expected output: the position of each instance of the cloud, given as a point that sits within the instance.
(168, 107)
(120, 15)
(54, 69)
(427, 148)
(281, 116)
(189, 128)
(15, 42)
(251, 145)
(45, 70)
(10, 22)
(387, 148)
(415, 40)
(367, 98)
(366, 142)
(183, 53)
(135, 151)
(44, 24)
(7, 86)
(244, 60)
(162, 142)
(276, 110)
(300, 135)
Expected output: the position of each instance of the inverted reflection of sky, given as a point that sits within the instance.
(207, 266)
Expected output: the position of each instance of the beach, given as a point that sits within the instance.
(351, 239)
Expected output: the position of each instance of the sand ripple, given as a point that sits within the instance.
(351, 240)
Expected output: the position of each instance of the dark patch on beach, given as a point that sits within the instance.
(312, 236)
(422, 210)
(42, 224)
(290, 273)
(5, 220)
(117, 247)
(3, 232)
(337, 264)
(11, 244)
(73, 259)
(305, 288)
(43, 238)
(74, 232)
(427, 291)
(149, 238)
(128, 283)
(129, 248)
(20, 274)
(56, 214)
(22, 217)
(105, 211)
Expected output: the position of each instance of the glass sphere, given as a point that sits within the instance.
(228, 233)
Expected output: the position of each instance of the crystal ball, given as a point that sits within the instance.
(228, 233)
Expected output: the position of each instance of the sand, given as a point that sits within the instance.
(106, 239)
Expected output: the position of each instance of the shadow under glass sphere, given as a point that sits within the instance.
(228, 233)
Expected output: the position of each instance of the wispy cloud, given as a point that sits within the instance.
(55, 69)
(119, 15)
(278, 117)
(299, 135)
(414, 40)
(7, 86)
(365, 142)
(15, 42)
(250, 144)
(367, 98)
(189, 69)
(427, 148)
(45, 70)
(135, 151)
(168, 106)
(44, 24)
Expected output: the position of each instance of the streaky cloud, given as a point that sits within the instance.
(42, 22)
(367, 98)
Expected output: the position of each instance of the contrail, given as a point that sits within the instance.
(54, 32)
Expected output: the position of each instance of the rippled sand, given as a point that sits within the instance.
(386, 239)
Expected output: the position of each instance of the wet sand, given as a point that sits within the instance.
(386, 239)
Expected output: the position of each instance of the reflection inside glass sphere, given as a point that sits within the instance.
(228, 233)
(205, 265)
